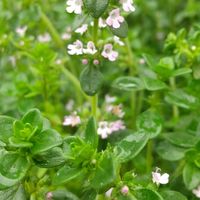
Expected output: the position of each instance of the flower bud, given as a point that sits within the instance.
(125, 190)
(96, 62)
(84, 61)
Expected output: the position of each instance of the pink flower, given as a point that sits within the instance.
(116, 110)
(82, 29)
(109, 53)
(117, 126)
(49, 196)
(76, 48)
(72, 120)
(91, 49)
(114, 19)
(74, 6)
(127, 5)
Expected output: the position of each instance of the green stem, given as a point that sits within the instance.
(94, 105)
(74, 80)
(95, 31)
(175, 109)
(94, 100)
(55, 35)
(133, 72)
(178, 170)
(149, 156)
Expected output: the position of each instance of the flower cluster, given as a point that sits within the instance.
(114, 20)
(157, 178)
(72, 120)
(106, 128)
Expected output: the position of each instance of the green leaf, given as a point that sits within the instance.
(96, 7)
(147, 194)
(130, 146)
(172, 195)
(13, 168)
(51, 158)
(89, 195)
(191, 176)
(14, 193)
(63, 194)
(34, 118)
(182, 139)
(23, 131)
(66, 174)
(105, 172)
(182, 99)
(91, 133)
(167, 62)
(170, 152)
(6, 128)
(181, 71)
(154, 84)
(15, 142)
(149, 123)
(91, 80)
(128, 83)
(45, 140)
(122, 31)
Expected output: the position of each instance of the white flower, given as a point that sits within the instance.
(21, 31)
(76, 48)
(82, 29)
(104, 129)
(74, 6)
(69, 105)
(109, 192)
(110, 99)
(197, 192)
(102, 23)
(12, 59)
(117, 126)
(114, 19)
(91, 49)
(44, 38)
(127, 5)
(118, 41)
(158, 178)
(72, 120)
(109, 53)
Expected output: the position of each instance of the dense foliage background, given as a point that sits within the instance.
(163, 46)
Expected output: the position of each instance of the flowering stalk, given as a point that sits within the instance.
(94, 100)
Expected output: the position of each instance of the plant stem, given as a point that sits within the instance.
(74, 80)
(175, 109)
(55, 35)
(133, 71)
(178, 170)
(94, 99)
(149, 156)
(94, 105)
